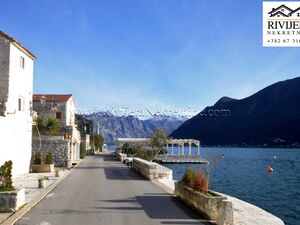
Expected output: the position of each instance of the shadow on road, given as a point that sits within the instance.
(161, 206)
(113, 170)
(121, 173)
(182, 222)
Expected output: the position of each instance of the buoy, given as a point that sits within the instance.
(269, 169)
(275, 157)
(222, 156)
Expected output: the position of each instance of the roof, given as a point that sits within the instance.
(133, 139)
(275, 14)
(282, 6)
(295, 11)
(17, 44)
(52, 97)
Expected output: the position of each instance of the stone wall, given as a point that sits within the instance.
(4, 69)
(151, 170)
(59, 147)
(121, 156)
(226, 210)
(245, 213)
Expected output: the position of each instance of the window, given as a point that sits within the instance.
(22, 62)
(20, 103)
(58, 115)
(298, 14)
(282, 10)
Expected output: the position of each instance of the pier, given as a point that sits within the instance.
(168, 158)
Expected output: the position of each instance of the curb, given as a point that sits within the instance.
(21, 212)
(163, 187)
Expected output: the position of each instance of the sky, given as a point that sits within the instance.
(167, 54)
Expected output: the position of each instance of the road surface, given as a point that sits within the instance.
(102, 191)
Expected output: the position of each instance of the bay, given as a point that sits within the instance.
(242, 173)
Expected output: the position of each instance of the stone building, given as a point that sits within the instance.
(65, 145)
(16, 79)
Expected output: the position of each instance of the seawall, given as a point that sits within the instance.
(233, 212)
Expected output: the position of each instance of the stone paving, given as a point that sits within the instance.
(30, 183)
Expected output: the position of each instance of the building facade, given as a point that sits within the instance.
(62, 108)
(16, 81)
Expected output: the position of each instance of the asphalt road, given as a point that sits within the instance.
(103, 191)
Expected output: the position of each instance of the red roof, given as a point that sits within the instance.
(17, 44)
(52, 97)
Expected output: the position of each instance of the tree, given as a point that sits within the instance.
(6, 183)
(158, 142)
(128, 149)
(46, 126)
(52, 126)
(82, 151)
(98, 141)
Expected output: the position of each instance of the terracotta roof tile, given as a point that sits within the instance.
(52, 97)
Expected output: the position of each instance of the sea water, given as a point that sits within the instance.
(242, 173)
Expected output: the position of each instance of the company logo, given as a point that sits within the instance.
(281, 24)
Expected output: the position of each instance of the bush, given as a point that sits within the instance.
(44, 178)
(200, 182)
(6, 183)
(48, 158)
(52, 126)
(127, 149)
(41, 124)
(195, 180)
(97, 141)
(82, 151)
(37, 158)
(188, 177)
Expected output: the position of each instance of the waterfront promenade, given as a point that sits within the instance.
(103, 191)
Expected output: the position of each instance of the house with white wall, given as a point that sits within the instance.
(62, 107)
(16, 81)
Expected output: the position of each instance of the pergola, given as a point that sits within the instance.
(181, 143)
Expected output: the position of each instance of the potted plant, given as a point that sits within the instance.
(39, 167)
(37, 159)
(49, 161)
(43, 182)
(58, 173)
(10, 198)
(193, 190)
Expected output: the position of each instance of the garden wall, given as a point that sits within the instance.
(121, 156)
(59, 147)
(151, 170)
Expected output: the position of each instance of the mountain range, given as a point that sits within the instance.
(270, 117)
(112, 127)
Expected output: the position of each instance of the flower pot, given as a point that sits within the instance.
(206, 205)
(12, 200)
(58, 173)
(42, 168)
(43, 183)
